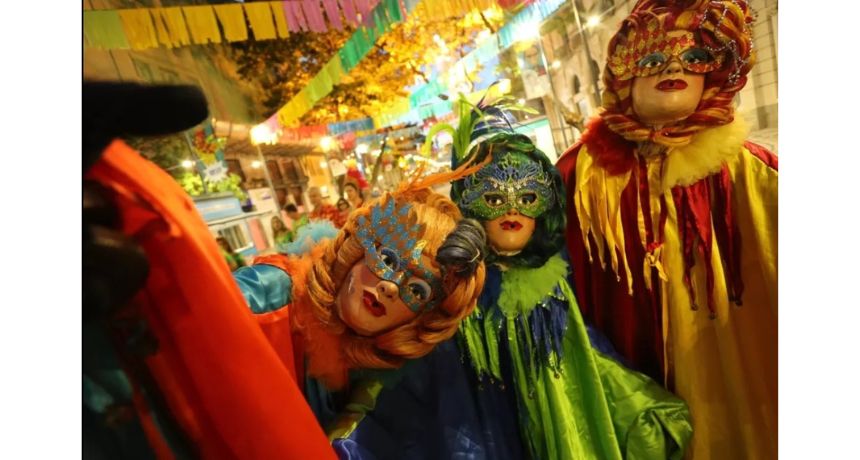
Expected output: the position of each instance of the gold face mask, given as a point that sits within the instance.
(647, 52)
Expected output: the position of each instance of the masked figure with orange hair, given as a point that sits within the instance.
(396, 280)
(672, 221)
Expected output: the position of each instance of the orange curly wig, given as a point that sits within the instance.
(721, 26)
(332, 347)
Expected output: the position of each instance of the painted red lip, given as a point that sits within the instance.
(671, 85)
(372, 305)
(511, 225)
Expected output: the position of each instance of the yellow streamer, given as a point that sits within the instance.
(597, 200)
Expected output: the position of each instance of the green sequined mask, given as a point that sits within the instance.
(514, 181)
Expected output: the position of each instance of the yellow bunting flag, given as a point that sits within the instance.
(161, 29)
(139, 29)
(202, 24)
(280, 20)
(232, 19)
(260, 17)
(175, 23)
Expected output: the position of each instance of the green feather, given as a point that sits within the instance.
(523, 287)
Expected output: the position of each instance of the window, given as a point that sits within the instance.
(290, 171)
(274, 171)
(235, 235)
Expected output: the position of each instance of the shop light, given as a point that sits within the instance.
(326, 143)
(556, 64)
(592, 22)
(263, 134)
(361, 149)
(256, 164)
(505, 85)
(187, 164)
(521, 101)
(323, 164)
(528, 31)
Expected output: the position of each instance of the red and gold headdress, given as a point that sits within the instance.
(722, 27)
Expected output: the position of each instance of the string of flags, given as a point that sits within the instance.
(171, 27)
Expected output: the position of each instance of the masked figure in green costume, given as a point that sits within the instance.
(573, 401)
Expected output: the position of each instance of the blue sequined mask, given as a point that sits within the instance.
(393, 253)
(515, 181)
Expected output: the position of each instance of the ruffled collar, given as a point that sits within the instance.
(706, 153)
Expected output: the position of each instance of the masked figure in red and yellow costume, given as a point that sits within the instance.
(672, 221)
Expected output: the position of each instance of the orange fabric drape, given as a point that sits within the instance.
(221, 379)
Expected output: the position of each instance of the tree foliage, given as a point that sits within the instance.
(275, 70)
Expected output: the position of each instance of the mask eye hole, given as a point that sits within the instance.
(389, 258)
(652, 61)
(696, 56)
(527, 198)
(419, 289)
(494, 199)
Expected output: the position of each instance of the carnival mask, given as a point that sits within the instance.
(393, 253)
(514, 182)
(648, 51)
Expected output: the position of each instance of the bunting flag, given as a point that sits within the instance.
(202, 24)
(364, 124)
(314, 15)
(232, 20)
(104, 29)
(174, 21)
(349, 12)
(295, 16)
(260, 17)
(423, 103)
(143, 28)
(280, 20)
(332, 12)
(140, 31)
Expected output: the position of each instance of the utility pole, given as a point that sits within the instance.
(576, 5)
(555, 102)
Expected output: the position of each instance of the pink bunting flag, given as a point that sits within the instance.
(314, 15)
(333, 13)
(363, 7)
(295, 16)
(349, 11)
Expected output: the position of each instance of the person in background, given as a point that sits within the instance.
(352, 193)
(234, 260)
(323, 210)
(280, 232)
(297, 219)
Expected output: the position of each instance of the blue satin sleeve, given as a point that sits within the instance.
(265, 288)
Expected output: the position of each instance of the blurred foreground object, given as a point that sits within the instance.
(170, 350)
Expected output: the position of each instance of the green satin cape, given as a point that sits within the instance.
(585, 405)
